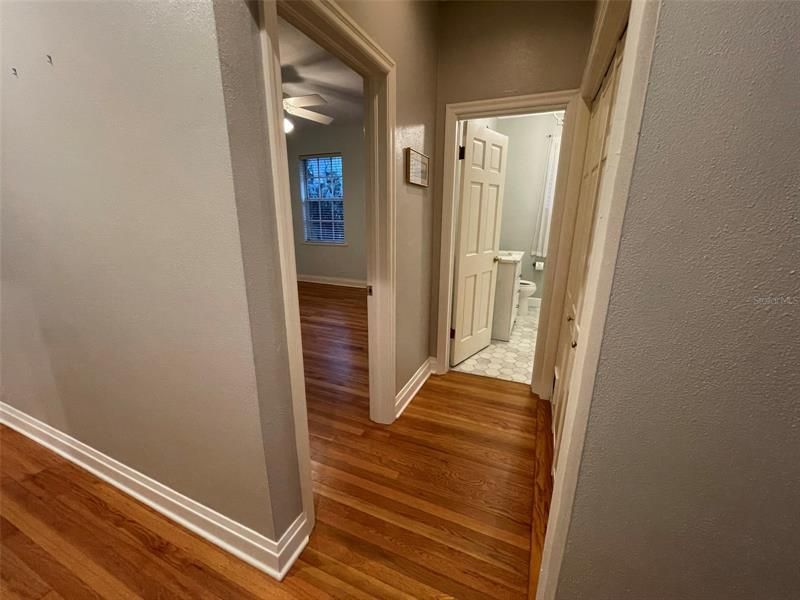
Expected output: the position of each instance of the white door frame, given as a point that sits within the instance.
(612, 200)
(330, 27)
(567, 100)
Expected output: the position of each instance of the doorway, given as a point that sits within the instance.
(331, 30)
(323, 102)
(556, 110)
(496, 315)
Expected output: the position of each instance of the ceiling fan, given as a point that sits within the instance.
(295, 106)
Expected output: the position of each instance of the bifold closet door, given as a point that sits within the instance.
(592, 175)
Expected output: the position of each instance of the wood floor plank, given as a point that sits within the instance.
(439, 510)
(486, 488)
(67, 551)
(542, 490)
(59, 578)
(458, 566)
(348, 550)
(203, 562)
(21, 457)
(354, 577)
(479, 547)
(101, 544)
(422, 574)
(18, 580)
(450, 501)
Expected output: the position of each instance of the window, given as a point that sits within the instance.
(322, 192)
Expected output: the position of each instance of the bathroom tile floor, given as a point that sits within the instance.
(511, 360)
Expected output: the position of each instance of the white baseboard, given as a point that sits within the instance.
(274, 558)
(412, 386)
(343, 281)
(439, 367)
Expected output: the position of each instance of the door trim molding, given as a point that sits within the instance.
(476, 109)
(279, 192)
(325, 22)
(274, 558)
(611, 204)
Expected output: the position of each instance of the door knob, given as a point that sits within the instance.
(496, 259)
(574, 344)
(570, 318)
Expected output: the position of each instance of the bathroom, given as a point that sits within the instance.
(531, 165)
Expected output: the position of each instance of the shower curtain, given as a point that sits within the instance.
(541, 233)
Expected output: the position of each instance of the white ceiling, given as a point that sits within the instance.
(308, 69)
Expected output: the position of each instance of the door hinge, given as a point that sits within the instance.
(452, 333)
(462, 151)
(369, 290)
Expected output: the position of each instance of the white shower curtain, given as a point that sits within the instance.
(541, 233)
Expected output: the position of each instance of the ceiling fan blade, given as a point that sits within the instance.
(300, 101)
(309, 114)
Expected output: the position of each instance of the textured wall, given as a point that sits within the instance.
(496, 49)
(327, 260)
(407, 31)
(689, 485)
(493, 49)
(124, 307)
(243, 91)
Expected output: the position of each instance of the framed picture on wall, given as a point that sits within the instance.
(417, 167)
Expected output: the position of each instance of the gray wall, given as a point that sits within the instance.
(528, 152)
(689, 485)
(407, 31)
(129, 318)
(243, 89)
(495, 49)
(328, 260)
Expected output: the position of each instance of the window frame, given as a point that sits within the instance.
(306, 201)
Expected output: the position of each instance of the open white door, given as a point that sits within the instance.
(480, 206)
(593, 169)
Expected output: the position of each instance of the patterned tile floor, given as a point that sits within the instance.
(511, 360)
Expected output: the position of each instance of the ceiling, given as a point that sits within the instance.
(308, 69)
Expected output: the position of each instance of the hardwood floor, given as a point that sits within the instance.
(437, 505)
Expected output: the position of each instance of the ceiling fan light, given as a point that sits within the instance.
(288, 126)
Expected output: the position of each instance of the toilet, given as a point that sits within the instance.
(526, 290)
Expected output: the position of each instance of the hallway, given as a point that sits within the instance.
(443, 496)
(439, 503)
